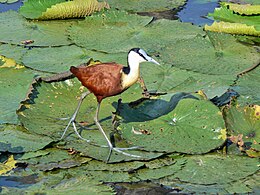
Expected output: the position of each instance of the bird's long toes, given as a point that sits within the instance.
(121, 150)
(130, 148)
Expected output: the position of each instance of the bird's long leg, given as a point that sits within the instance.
(72, 119)
(119, 150)
(143, 86)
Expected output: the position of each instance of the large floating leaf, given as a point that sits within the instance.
(54, 159)
(173, 79)
(227, 15)
(214, 169)
(119, 32)
(235, 23)
(221, 54)
(193, 127)
(244, 121)
(33, 9)
(8, 165)
(233, 28)
(55, 59)
(141, 174)
(60, 9)
(16, 29)
(213, 174)
(101, 153)
(11, 51)
(246, 9)
(16, 140)
(145, 5)
(14, 86)
(248, 87)
(112, 27)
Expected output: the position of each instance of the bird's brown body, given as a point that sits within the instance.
(103, 80)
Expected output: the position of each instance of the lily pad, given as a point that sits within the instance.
(193, 127)
(247, 86)
(233, 28)
(60, 9)
(221, 54)
(118, 31)
(227, 15)
(15, 29)
(214, 169)
(15, 139)
(14, 86)
(55, 59)
(33, 9)
(175, 80)
(12, 51)
(112, 26)
(243, 120)
(101, 153)
(145, 5)
(141, 174)
(215, 174)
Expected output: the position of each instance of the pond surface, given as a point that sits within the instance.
(13, 6)
(194, 11)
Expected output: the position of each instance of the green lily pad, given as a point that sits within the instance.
(233, 28)
(145, 5)
(247, 86)
(118, 31)
(111, 27)
(78, 185)
(60, 9)
(55, 59)
(175, 80)
(243, 120)
(193, 127)
(14, 86)
(12, 51)
(149, 109)
(101, 153)
(29, 155)
(15, 29)
(215, 174)
(214, 169)
(33, 9)
(221, 54)
(227, 15)
(15, 139)
(141, 174)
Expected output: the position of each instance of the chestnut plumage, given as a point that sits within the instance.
(105, 80)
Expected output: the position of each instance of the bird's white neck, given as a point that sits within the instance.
(132, 76)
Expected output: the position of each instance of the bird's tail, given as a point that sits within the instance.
(74, 70)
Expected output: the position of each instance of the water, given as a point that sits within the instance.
(13, 6)
(195, 11)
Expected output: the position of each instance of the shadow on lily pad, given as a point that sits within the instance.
(148, 109)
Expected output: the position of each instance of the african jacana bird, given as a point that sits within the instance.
(105, 80)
